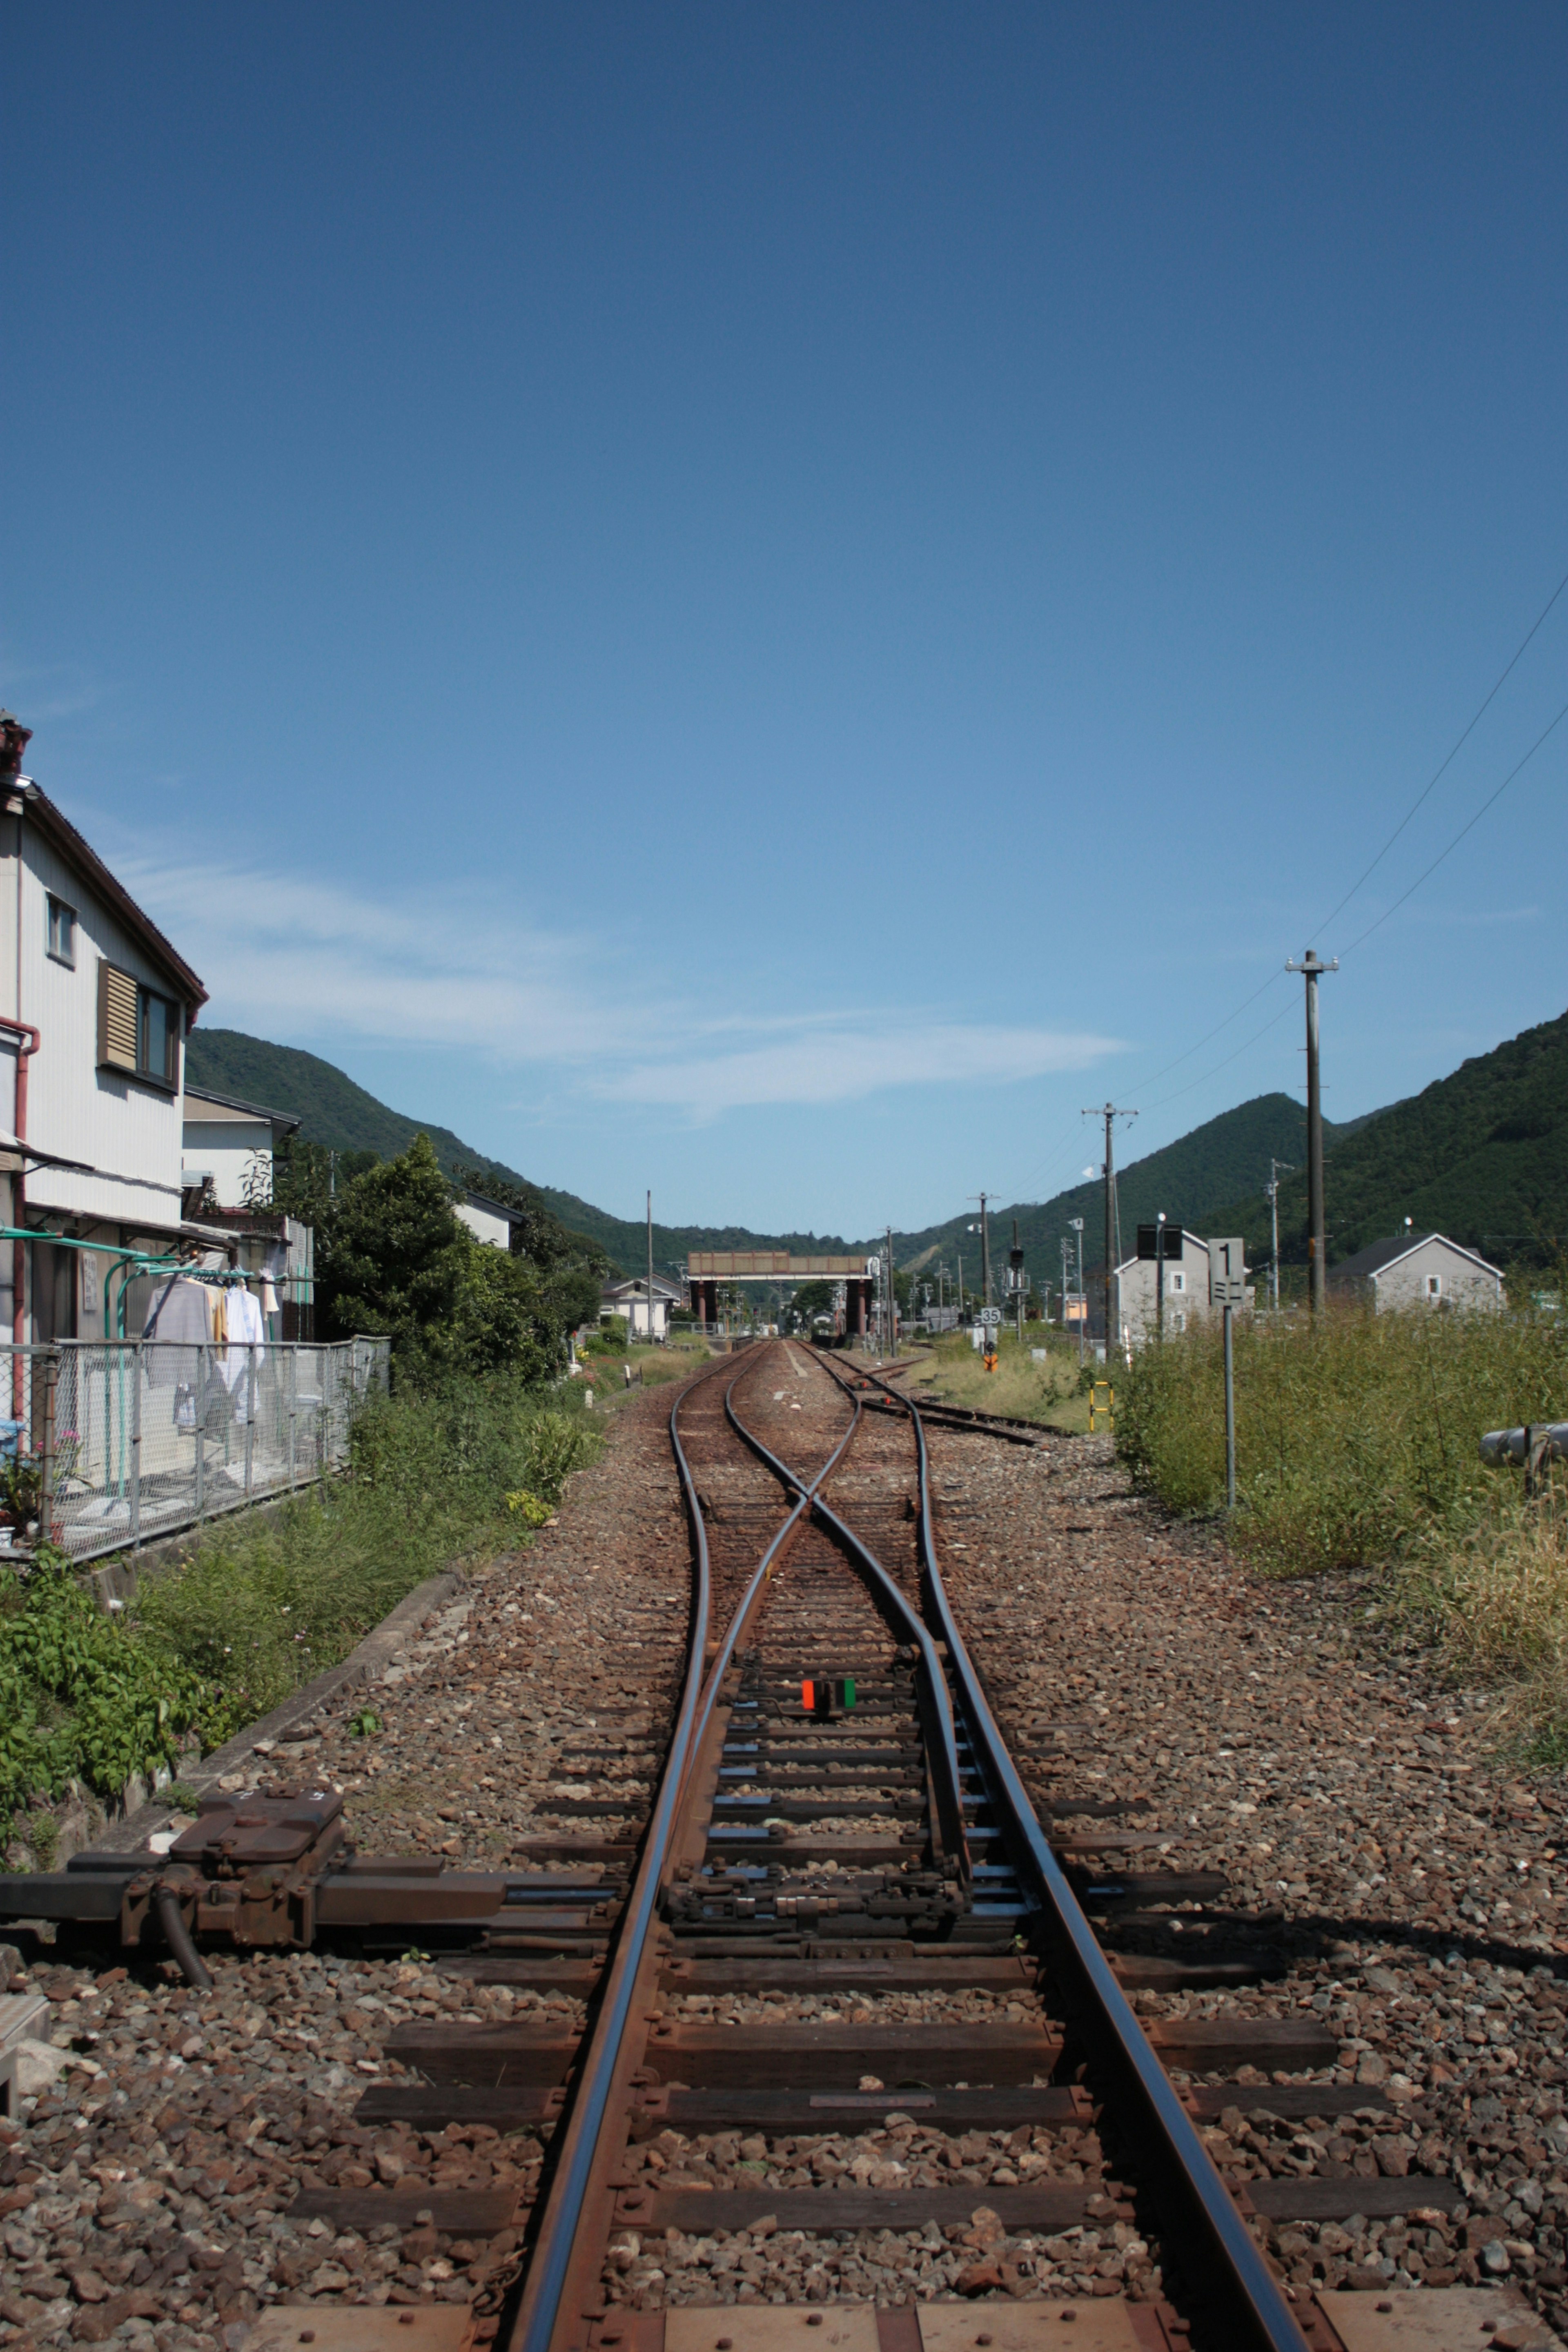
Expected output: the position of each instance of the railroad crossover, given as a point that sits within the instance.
(808, 1804)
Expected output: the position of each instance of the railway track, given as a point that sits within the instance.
(917, 1865)
(838, 1916)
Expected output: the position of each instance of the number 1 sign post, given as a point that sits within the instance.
(1228, 1290)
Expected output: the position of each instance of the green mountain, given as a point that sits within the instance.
(1481, 1155)
(333, 1110)
(1188, 1180)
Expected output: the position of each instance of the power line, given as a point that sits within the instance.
(1187, 1052)
(1462, 832)
(1178, 1092)
(1453, 755)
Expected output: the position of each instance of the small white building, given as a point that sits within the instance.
(630, 1300)
(485, 1219)
(1186, 1286)
(227, 1150)
(1419, 1270)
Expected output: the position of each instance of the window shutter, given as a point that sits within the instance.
(116, 1018)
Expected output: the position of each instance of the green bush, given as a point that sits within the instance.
(259, 1610)
(79, 1697)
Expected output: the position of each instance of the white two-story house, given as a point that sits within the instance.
(95, 1005)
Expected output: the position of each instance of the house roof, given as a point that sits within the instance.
(636, 1287)
(1196, 1240)
(1378, 1256)
(62, 835)
(479, 1201)
(285, 1120)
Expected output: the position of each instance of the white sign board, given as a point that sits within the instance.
(1228, 1273)
(990, 1314)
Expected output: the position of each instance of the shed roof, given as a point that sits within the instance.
(283, 1118)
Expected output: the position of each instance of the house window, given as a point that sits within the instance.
(61, 934)
(1179, 1321)
(138, 1030)
(1178, 1282)
(1433, 1285)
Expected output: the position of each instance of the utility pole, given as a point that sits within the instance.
(650, 1269)
(1317, 1241)
(1107, 1112)
(889, 1340)
(959, 1256)
(1015, 1275)
(1067, 1252)
(1275, 1169)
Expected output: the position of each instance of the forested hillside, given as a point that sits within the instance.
(336, 1112)
(1189, 1179)
(1481, 1155)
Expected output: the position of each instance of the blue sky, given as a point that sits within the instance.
(768, 600)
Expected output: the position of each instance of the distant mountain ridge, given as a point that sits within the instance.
(335, 1111)
(1216, 1162)
(1480, 1155)
(1189, 1179)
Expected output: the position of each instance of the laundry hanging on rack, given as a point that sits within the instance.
(177, 1312)
(241, 1361)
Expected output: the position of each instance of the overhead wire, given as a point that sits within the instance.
(1447, 763)
(1459, 836)
(1461, 739)
(1437, 775)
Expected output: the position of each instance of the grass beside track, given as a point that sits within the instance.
(1357, 1446)
(1049, 1393)
(259, 1609)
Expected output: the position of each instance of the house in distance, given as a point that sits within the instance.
(1418, 1270)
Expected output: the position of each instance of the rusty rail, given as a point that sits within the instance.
(941, 1748)
(546, 2316)
(539, 2305)
(1225, 2267)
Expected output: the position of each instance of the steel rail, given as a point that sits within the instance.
(759, 1577)
(942, 1752)
(539, 2312)
(1197, 2209)
(539, 2303)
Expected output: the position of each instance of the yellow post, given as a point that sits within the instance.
(1101, 1400)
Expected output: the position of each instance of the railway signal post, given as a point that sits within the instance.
(1227, 1291)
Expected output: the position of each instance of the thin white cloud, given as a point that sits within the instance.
(844, 1063)
(300, 960)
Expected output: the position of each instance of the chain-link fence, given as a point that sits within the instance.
(111, 1442)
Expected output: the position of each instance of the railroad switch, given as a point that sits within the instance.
(247, 1869)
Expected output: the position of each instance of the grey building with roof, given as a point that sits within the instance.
(1419, 1270)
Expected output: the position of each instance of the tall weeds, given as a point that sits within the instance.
(260, 1608)
(1357, 1445)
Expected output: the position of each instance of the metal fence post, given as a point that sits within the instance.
(293, 1401)
(249, 1414)
(136, 1445)
(46, 1451)
(201, 1430)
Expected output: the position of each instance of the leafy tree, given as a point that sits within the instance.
(393, 1255)
(307, 1177)
(811, 1298)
